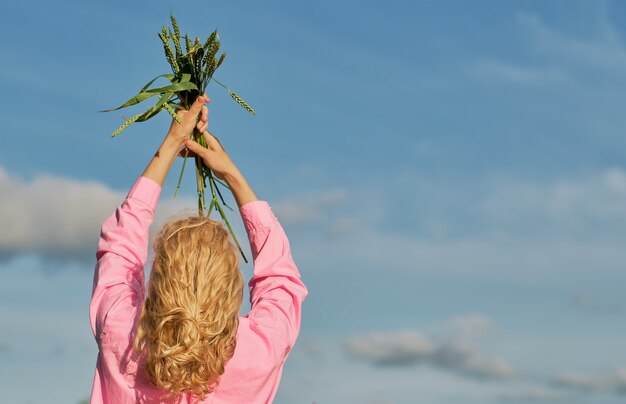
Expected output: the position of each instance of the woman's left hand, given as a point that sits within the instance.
(180, 132)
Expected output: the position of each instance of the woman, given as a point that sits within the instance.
(184, 341)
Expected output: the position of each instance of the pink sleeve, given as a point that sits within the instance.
(276, 291)
(122, 253)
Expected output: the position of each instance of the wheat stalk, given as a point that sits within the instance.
(197, 65)
(241, 102)
(237, 98)
(125, 125)
(173, 113)
(193, 71)
(176, 37)
(210, 39)
(213, 48)
(169, 53)
(220, 60)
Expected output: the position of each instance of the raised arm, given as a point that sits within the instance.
(276, 291)
(123, 246)
(160, 165)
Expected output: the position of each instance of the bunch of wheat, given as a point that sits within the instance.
(192, 72)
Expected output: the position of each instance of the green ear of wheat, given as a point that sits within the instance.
(235, 97)
(220, 60)
(176, 36)
(241, 102)
(173, 113)
(125, 125)
(210, 39)
(188, 44)
(169, 52)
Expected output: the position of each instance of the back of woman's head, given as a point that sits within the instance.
(188, 325)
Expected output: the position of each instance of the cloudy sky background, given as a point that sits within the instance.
(452, 176)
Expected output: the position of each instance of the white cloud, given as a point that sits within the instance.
(393, 349)
(561, 56)
(58, 217)
(585, 206)
(405, 348)
(309, 208)
(603, 50)
(52, 216)
(503, 227)
(325, 212)
(566, 196)
(469, 360)
(520, 74)
(613, 382)
(466, 327)
(534, 395)
(597, 304)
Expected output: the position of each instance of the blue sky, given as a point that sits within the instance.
(451, 174)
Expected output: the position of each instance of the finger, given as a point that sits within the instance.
(195, 147)
(209, 136)
(196, 107)
(202, 126)
(212, 140)
(205, 114)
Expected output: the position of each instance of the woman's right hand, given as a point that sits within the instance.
(214, 156)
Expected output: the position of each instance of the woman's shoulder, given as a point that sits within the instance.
(120, 326)
(256, 347)
(254, 370)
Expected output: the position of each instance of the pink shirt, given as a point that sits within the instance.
(264, 337)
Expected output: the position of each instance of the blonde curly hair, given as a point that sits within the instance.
(188, 326)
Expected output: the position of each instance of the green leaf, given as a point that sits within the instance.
(183, 79)
(174, 88)
(158, 107)
(142, 96)
(170, 77)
